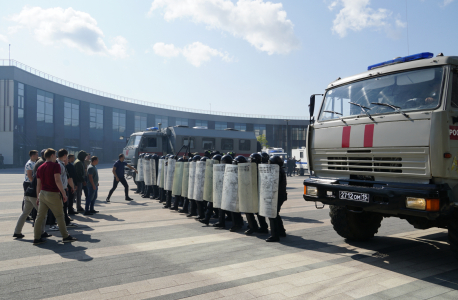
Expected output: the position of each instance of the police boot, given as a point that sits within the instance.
(168, 202)
(145, 189)
(280, 228)
(162, 196)
(154, 193)
(192, 209)
(185, 206)
(176, 199)
(148, 192)
(263, 227)
(142, 187)
(138, 187)
(208, 214)
(273, 231)
(237, 222)
(221, 224)
(252, 223)
(200, 210)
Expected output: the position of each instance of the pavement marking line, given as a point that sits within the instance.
(127, 249)
(302, 282)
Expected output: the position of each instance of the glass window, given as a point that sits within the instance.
(208, 144)
(134, 140)
(72, 117)
(240, 126)
(202, 123)
(163, 120)
(182, 121)
(244, 145)
(298, 134)
(119, 124)
(96, 116)
(220, 125)
(186, 142)
(301, 154)
(140, 122)
(20, 100)
(259, 129)
(151, 142)
(45, 106)
(227, 144)
(455, 90)
(406, 91)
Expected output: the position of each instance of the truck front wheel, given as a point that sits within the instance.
(453, 237)
(354, 226)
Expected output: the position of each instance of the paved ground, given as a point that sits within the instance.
(138, 250)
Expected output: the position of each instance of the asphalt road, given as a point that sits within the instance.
(137, 250)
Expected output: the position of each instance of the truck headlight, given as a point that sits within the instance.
(423, 204)
(416, 203)
(310, 191)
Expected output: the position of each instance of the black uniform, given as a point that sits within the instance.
(276, 224)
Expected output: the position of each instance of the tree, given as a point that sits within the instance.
(262, 139)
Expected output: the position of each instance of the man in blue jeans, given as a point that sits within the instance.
(92, 186)
(118, 172)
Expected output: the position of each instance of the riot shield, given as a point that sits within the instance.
(248, 187)
(268, 190)
(230, 199)
(191, 180)
(140, 170)
(198, 194)
(166, 169)
(218, 178)
(177, 178)
(208, 184)
(160, 178)
(170, 173)
(147, 172)
(153, 171)
(184, 183)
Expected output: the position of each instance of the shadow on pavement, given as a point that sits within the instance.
(299, 219)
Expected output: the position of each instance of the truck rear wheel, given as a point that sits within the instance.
(354, 226)
(453, 237)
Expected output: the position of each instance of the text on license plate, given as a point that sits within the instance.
(354, 196)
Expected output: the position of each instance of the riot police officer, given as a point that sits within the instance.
(221, 224)
(147, 167)
(209, 212)
(168, 201)
(237, 219)
(192, 202)
(263, 227)
(155, 192)
(177, 198)
(276, 224)
(264, 158)
(161, 189)
(186, 206)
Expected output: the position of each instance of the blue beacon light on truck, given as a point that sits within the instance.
(398, 60)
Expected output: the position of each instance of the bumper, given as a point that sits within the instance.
(384, 197)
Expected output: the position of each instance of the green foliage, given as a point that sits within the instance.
(262, 139)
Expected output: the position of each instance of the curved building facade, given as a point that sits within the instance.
(38, 111)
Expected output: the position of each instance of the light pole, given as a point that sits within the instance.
(287, 141)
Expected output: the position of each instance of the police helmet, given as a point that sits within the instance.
(231, 154)
(226, 159)
(155, 156)
(217, 157)
(276, 160)
(204, 158)
(208, 153)
(181, 159)
(196, 158)
(265, 158)
(239, 159)
(256, 158)
(215, 153)
(147, 156)
(162, 157)
(190, 159)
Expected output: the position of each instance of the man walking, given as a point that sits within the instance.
(50, 191)
(80, 180)
(71, 192)
(92, 186)
(118, 172)
(67, 182)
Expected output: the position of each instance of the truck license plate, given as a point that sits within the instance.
(354, 196)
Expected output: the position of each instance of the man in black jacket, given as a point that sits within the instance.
(71, 192)
(80, 178)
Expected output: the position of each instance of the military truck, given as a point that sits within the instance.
(385, 144)
(178, 139)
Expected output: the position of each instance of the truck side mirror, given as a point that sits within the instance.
(312, 106)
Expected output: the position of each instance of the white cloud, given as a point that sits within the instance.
(75, 29)
(356, 15)
(3, 38)
(263, 24)
(195, 53)
(447, 2)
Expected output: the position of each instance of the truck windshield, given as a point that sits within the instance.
(134, 140)
(407, 91)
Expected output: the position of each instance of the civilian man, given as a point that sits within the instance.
(118, 172)
(92, 186)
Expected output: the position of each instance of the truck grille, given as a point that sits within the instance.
(413, 161)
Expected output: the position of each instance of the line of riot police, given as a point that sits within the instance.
(219, 186)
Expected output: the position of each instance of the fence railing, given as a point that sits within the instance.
(15, 63)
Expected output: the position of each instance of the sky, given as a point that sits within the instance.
(239, 56)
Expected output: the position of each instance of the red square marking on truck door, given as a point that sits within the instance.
(346, 137)
(453, 132)
(369, 135)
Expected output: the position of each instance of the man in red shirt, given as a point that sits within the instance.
(49, 191)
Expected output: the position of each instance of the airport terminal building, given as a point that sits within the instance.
(38, 111)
